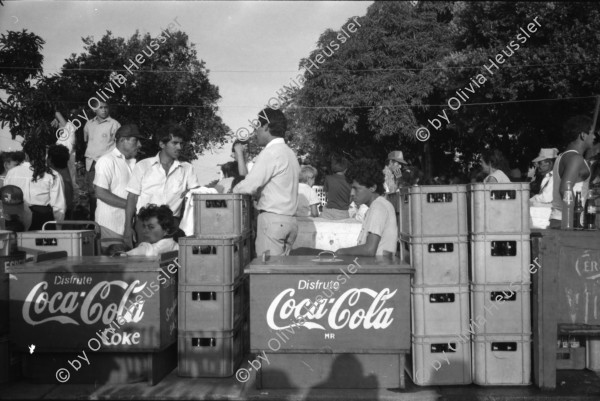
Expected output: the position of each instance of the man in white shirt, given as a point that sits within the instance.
(544, 164)
(99, 134)
(379, 234)
(113, 171)
(160, 180)
(274, 177)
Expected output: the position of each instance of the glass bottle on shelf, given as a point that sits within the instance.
(590, 211)
(568, 207)
(578, 212)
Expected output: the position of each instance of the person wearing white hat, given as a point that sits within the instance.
(393, 170)
(544, 164)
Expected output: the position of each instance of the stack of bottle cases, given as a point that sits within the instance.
(433, 239)
(500, 283)
(213, 293)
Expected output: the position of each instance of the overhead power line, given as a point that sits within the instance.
(389, 106)
(291, 71)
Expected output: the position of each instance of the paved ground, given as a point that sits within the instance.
(573, 385)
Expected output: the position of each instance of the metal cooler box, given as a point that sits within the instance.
(75, 242)
(121, 311)
(322, 309)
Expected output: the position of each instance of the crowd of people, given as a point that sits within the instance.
(138, 205)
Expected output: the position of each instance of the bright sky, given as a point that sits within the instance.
(251, 48)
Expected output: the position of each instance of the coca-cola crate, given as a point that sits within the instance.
(210, 353)
(211, 307)
(17, 258)
(247, 248)
(570, 358)
(441, 360)
(436, 210)
(499, 208)
(440, 310)
(222, 214)
(501, 308)
(74, 242)
(500, 258)
(8, 242)
(210, 259)
(437, 260)
(331, 371)
(502, 360)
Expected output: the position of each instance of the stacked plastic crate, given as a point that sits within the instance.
(433, 239)
(9, 256)
(500, 283)
(213, 289)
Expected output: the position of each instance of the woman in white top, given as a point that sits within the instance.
(42, 186)
(496, 166)
(158, 230)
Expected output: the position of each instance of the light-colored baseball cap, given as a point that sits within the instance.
(397, 156)
(546, 153)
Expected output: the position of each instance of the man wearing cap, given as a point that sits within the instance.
(393, 171)
(542, 185)
(113, 171)
(16, 215)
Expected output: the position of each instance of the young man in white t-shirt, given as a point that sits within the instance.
(379, 233)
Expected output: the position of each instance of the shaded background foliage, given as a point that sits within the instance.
(405, 62)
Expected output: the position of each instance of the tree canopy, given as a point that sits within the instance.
(149, 81)
(405, 63)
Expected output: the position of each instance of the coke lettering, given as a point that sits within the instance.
(38, 302)
(339, 316)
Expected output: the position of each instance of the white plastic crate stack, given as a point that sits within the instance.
(213, 289)
(432, 221)
(500, 283)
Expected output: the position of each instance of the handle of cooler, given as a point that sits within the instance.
(204, 250)
(439, 197)
(503, 248)
(215, 203)
(440, 247)
(503, 195)
(441, 298)
(327, 252)
(204, 342)
(495, 294)
(443, 347)
(97, 231)
(204, 296)
(504, 346)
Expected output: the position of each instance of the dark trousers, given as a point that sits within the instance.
(39, 216)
